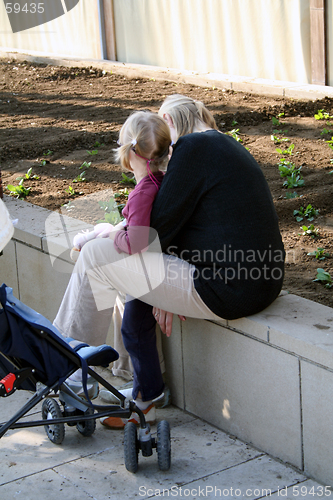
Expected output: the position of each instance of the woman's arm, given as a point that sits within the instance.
(181, 190)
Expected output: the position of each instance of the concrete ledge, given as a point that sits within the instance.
(295, 90)
(36, 263)
(266, 378)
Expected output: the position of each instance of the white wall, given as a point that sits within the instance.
(254, 38)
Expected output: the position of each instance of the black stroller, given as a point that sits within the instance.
(36, 358)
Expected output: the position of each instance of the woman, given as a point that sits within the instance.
(222, 252)
(215, 211)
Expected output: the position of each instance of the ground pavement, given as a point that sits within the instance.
(206, 463)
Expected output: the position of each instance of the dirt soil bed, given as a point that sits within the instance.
(52, 117)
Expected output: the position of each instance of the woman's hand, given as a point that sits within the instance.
(164, 319)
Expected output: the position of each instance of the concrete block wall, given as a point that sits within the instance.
(267, 378)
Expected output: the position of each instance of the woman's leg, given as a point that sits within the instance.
(157, 279)
(154, 278)
(78, 316)
(122, 367)
(139, 336)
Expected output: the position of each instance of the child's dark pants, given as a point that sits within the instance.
(139, 336)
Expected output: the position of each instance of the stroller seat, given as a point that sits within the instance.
(101, 355)
(35, 357)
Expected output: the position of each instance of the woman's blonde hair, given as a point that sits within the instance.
(148, 135)
(186, 113)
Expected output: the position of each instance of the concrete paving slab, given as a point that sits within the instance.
(192, 460)
(256, 478)
(204, 459)
(47, 485)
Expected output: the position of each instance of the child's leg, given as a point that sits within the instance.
(139, 336)
(123, 367)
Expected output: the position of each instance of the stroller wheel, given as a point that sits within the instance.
(87, 427)
(163, 445)
(51, 410)
(131, 447)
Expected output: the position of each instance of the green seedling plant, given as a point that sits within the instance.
(70, 191)
(122, 192)
(18, 191)
(319, 254)
(93, 152)
(112, 211)
(330, 143)
(126, 179)
(48, 153)
(98, 145)
(276, 122)
(235, 134)
(324, 277)
(294, 181)
(292, 174)
(80, 177)
(69, 206)
(85, 164)
(280, 131)
(278, 140)
(326, 131)
(286, 168)
(290, 195)
(28, 175)
(309, 213)
(288, 151)
(322, 115)
(43, 163)
(310, 231)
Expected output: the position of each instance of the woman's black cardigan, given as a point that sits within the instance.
(215, 210)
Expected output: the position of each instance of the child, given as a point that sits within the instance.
(145, 149)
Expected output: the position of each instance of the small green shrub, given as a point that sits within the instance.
(18, 191)
(309, 213)
(324, 277)
(319, 254)
(310, 231)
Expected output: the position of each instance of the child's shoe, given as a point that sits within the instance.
(119, 423)
(161, 401)
(109, 397)
(74, 382)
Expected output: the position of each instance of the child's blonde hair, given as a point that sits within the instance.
(148, 135)
(186, 114)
